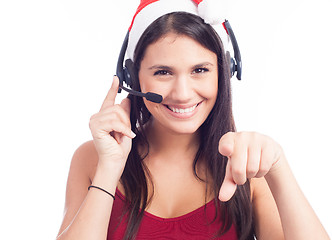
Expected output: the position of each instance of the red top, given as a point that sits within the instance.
(193, 225)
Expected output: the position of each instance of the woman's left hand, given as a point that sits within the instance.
(250, 155)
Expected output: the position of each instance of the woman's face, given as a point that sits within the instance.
(186, 75)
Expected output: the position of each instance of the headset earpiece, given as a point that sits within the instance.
(121, 72)
(232, 66)
(235, 64)
(230, 63)
(129, 71)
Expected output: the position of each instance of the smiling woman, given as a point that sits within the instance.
(186, 74)
(178, 168)
(178, 52)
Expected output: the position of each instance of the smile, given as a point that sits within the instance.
(182, 110)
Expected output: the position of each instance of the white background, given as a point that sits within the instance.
(57, 59)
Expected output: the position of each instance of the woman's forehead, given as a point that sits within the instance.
(177, 47)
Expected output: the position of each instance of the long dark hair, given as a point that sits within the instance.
(238, 210)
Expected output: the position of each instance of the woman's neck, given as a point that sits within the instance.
(171, 145)
(173, 153)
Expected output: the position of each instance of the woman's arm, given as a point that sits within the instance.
(298, 219)
(252, 155)
(266, 216)
(88, 212)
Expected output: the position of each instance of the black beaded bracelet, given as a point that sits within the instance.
(91, 186)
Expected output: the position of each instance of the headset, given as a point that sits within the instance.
(123, 72)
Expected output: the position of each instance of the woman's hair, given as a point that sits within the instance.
(238, 210)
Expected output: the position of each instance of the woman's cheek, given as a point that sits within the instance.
(208, 90)
(152, 85)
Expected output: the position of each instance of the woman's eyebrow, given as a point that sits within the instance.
(204, 64)
(170, 68)
(159, 67)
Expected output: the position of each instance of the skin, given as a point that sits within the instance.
(281, 210)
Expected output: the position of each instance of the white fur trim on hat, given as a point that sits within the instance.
(159, 8)
(212, 11)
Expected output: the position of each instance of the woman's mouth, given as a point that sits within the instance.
(182, 112)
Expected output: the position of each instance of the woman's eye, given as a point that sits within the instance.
(161, 72)
(201, 70)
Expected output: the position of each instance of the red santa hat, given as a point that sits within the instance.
(213, 12)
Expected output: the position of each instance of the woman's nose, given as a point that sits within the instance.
(181, 89)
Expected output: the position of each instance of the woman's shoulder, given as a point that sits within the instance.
(86, 159)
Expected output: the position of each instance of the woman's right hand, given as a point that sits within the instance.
(111, 129)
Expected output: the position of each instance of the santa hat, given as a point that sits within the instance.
(213, 12)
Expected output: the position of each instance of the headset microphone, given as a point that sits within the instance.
(123, 74)
(152, 97)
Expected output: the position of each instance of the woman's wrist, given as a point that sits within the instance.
(107, 175)
(279, 176)
(116, 166)
(277, 168)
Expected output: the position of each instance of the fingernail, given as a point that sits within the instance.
(132, 134)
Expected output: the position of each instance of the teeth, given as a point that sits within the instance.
(181, 110)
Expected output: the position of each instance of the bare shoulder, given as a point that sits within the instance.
(85, 159)
(83, 167)
(81, 172)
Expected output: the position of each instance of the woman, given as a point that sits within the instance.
(177, 169)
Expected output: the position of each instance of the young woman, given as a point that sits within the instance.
(178, 169)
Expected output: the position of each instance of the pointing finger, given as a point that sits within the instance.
(239, 162)
(226, 144)
(110, 97)
(228, 187)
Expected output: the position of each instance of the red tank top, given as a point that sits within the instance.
(193, 225)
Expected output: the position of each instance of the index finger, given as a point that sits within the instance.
(228, 187)
(110, 97)
(125, 104)
(226, 144)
